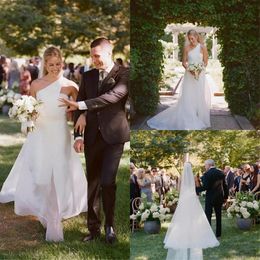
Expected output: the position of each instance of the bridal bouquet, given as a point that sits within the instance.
(196, 68)
(243, 206)
(26, 110)
(149, 211)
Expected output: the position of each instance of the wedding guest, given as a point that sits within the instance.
(144, 180)
(229, 177)
(255, 179)
(134, 187)
(2, 70)
(245, 178)
(33, 69)
(14, 74)
(157, 182)
(70, 72)
(120, 62)
(237, 179)
(25, 79)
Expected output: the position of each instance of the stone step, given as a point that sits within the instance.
(243, 122)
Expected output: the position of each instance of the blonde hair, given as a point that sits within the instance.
(196, 34)
(49, 52)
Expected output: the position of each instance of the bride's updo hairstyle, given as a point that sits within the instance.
(195, 34)
(49, 52)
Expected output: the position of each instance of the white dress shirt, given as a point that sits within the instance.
(82, 104)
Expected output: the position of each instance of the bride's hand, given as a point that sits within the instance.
(81, 123)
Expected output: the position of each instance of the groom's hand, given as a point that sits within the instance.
(73, 105)
(79, 146)
(80, 124)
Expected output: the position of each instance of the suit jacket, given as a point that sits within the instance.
(230, 179)
(213, 182)
(106, 105)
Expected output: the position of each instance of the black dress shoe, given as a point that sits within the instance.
(110, 235)
(91, 237)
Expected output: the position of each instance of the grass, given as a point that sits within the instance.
(23, 237)
(234, 244)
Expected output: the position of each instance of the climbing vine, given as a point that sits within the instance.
(238, 34)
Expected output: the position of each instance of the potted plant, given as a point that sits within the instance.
(171, 199)
(151, 214)
(7, 97)
(244, 208)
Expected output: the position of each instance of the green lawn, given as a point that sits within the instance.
(23, 237)
(234, 244)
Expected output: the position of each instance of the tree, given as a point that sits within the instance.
(28, 25)
(158, 148)
(232, 148)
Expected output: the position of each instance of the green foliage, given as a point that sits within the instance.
(232, 148)
(27, 26)
(181, 42)
(158, 148)
(166, 148)
(238, 34)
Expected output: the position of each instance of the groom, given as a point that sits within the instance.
(101, 116)
(213, 182)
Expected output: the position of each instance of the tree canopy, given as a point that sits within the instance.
(28, 25)
(167, 148)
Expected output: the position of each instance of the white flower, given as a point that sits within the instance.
(144, 217)
(250, 204)
(237, 209)
(133, 216)
(17, 96)
(170, 203)
(246, 215)
(156, 215)
(243, 203)
(238, 215)
(243, 210)
(162, 217)
(10, 94)
(141, 207)
(153, 208)
(255, 206)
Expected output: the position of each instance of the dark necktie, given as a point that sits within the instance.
(102, 75)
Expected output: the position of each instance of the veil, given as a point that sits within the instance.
(189, 227)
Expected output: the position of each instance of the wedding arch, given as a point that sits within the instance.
(237, 33)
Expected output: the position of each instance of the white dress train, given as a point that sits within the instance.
(189, 231)
(192, 111)
(47, 179)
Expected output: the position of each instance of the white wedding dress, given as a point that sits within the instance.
(189, 231)
(192, 111)
(47, 179)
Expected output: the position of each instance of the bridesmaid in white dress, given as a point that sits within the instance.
(47, 179)
(192, 111)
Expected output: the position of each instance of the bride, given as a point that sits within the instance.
(189, 231)
(192, 111)
(47, 179)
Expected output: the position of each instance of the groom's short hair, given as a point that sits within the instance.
(210, 162)
(101, 41)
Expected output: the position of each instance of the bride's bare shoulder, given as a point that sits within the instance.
(37, 84)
